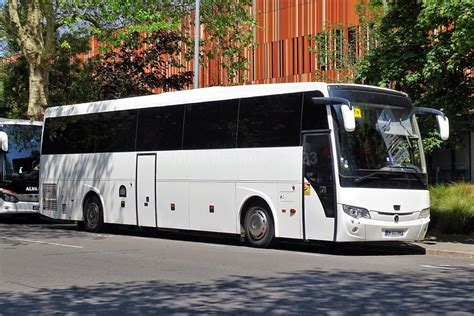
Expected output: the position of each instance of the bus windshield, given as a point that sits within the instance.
(384, 145)
(21, 162)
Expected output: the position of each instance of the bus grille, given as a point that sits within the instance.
(50, 201)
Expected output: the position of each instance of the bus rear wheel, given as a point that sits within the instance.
(259, 228)
(93, 214)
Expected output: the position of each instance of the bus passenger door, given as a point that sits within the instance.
(146, 184)
(319, 188)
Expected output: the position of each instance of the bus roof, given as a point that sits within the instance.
(193, 96)
(5, 121)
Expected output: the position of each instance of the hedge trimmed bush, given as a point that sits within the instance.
(452, 208)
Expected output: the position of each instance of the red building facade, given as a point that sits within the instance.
(283, 41)
(283, 38)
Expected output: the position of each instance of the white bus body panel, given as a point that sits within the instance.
(380, 203)
(226, 179)
(100, 173)
(192, 180)
(173, 193)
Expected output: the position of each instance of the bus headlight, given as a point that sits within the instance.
(356, 212)
(425, 213)
(8, 197)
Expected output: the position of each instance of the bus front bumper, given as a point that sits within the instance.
(363, 229)
(19, 207)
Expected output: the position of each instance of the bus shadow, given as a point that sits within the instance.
(46, 229)
(330, 248)
(312, 291)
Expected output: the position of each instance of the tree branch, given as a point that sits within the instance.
(17, 28)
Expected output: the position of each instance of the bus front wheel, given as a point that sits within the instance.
(93, 214)
(258, 225)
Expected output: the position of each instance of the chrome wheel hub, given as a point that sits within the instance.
(258, 224)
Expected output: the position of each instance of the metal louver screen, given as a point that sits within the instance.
(50, 202)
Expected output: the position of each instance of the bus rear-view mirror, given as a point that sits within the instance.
(348, 117)
(347, 110)
(443, 124)
(4, 141)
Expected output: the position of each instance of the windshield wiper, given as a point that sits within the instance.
(416, 173)
(370, 176)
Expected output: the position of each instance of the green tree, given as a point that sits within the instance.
(425, 48)
(70, 81)
(228, 27)
(141, 65)
(33, 27)
(339, 48)
(34, 24)
(15, 89)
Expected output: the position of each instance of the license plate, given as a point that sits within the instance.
(36, 207)
(394, 233)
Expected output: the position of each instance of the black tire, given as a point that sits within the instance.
(93, 214)
(259, 227)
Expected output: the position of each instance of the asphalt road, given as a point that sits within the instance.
(52, 268)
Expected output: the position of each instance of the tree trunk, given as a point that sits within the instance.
(38, 81)
(34, 33)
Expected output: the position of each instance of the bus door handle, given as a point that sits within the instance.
(147, 200)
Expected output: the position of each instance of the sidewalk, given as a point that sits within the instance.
(449, 246)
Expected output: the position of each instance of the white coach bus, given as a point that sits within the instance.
(311, 161)
(19, 165)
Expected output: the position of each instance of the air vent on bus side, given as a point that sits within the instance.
(50, 201)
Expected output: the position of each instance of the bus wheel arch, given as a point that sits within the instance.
(93, 212)
(257, 222)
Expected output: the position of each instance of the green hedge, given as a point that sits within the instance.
(452, 208)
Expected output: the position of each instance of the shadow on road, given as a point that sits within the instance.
(310, 291)
(41, 228)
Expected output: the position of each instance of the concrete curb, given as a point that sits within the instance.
(449, 253)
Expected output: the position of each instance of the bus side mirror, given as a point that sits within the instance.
(348, 117)
(443, 124)
(346, 109)
(443, 121)
(4, 141)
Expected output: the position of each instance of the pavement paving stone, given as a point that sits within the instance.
(449, 245)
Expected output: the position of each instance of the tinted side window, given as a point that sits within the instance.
(68, 135)
(314, 116)
(270, 121)
(160, 128)
(115, 131)
(211, 125)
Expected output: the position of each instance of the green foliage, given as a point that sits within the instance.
(335, 62)
(141, 65)
(432, 141)
(69, 82)
(229, 31)
(452, 208)
(426, 49)
(15, 90)
(228, 25)
(336, 53)
(115, 21)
